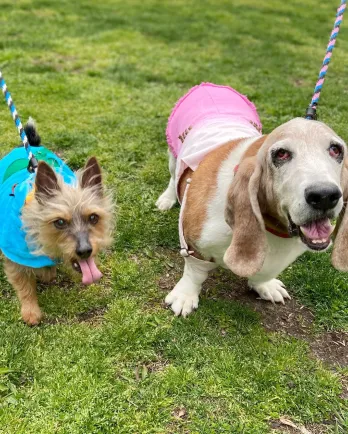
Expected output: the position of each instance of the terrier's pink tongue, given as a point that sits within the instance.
(318, 230)
(90, 272)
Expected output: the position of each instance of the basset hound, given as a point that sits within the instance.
(251, 203)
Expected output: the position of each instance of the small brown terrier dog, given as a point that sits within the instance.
(67, 223)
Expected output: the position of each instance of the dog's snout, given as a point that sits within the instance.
(323, 196)
(84, 253)
(83, 246)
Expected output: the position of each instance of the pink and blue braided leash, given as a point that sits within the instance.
(32, 160)
(311, 110)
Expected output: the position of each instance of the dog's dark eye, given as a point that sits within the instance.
(280, 156)
(60, 224)
(335, 151)
(93, 219)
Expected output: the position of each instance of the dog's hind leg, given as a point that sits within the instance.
(168, 198)
(184, 297)
(24, 282)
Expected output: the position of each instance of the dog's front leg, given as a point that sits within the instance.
(183, 299)
(273, 290)
(281, 254)
(46, 274)
(24, 282)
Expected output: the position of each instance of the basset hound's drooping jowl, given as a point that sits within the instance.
(251, 203)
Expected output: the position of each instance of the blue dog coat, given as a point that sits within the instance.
(15, 185)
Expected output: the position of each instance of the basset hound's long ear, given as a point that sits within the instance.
(247, 251)
(339, 256)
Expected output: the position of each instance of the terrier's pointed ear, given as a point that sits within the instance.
(92, 176)
(46, 182)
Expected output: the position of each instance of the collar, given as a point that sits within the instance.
(278, 233)
(275, 227)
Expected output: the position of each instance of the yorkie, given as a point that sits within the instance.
(51, 216)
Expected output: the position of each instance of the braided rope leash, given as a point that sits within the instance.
(311, 110)
(32, 160)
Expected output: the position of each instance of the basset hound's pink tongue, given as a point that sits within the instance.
(318, 230)
(90, 272)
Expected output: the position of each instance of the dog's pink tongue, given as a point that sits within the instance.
(318, 230)
(90, 272)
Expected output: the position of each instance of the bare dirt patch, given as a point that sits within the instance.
(93, 316)
(180, 413)
(144, 370)
(292, 318)
(298, 82)
(277, 426)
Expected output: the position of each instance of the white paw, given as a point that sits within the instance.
(182, 302)
(165, 202)
(273, 291)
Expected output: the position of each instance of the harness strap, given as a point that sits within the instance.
(184, 249)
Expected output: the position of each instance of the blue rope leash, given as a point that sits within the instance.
(311, 110)
(32, 160)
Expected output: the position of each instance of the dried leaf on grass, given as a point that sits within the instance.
(299, 428)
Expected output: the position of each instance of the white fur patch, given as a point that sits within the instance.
(273, 291)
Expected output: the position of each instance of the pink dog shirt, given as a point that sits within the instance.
(205, 118)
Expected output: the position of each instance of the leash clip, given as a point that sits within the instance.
(32, 166)
(186, 252)
(311, 113)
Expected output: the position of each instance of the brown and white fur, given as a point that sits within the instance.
(64, 222)
(226, 212)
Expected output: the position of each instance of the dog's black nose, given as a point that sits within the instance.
(323, 197)
(83, 246)
(84, 253)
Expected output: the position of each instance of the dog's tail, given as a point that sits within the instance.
(31, 132)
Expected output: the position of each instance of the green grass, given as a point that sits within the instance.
(101, 77)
